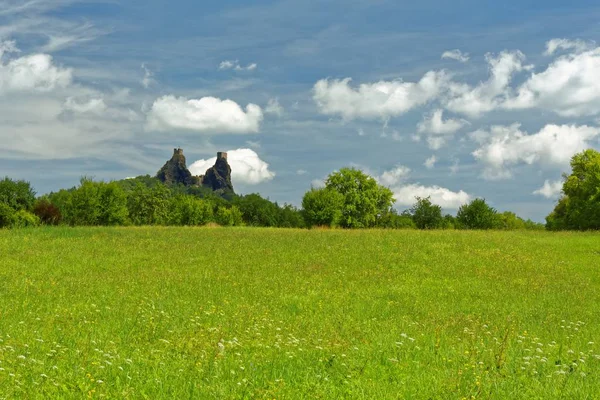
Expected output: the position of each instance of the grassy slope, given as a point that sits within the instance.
(229, 313)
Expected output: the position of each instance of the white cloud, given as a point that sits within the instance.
(273, 107)
(227, 64)
(246, 167)
(383, 99)
(569, 86)
(550, 190)
(206, 115)
(93, 106)
(446, 198)
(34, 72)
(435, 124)
(405, 193)
(301, 172)
(394, 176)
(576, 45)
(456, 55)
(235, 65)
(430, 162)
(8, 46)
(488, 95)
(147, 80)
(506, 146)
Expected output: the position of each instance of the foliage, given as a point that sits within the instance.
(257, 211)
(149, 205)
(477, 215)
(229, 216)
(7, 215)
(19, 195)
(189, 210)
(393, 220)
(322, 207)
(92, 203)
(364, 199)
(48, 213)
(579, 208)
(426, 215)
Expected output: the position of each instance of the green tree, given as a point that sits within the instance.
(191, 211)
(148, 205)
(18, 195)
(228, 216)
(257, 211)
(364, 199)
(322, 207)
(477, 215)
(579, 208)
(393, 220)
(426, 215)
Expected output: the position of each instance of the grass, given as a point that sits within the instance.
(180, 313)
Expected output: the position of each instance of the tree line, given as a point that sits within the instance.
(349, 199)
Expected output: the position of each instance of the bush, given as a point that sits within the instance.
(7, 216)
(25, 219)
(48, 213)
(191, 211)
(477, 215)
(322, 207)
(426, 215)
(149, 205)
(393, 220)
(228, 216)
(18, 195)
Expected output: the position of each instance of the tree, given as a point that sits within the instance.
(393, 220)
(189, 210)
(364, 199)
(477, 215)
(148, 205)
(257, 211)
(48, 213)
(18, 195)
(322, 207)
(579, 208)
(426, 215)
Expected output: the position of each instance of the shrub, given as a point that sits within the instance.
(25, 219)
(477, 215)
(48, 213)
(188, 210)
(322, 207)
(228, 216)
(18, 195)
(7, 215)
(426, 215)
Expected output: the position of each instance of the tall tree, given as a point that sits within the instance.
(364, 199)
(579, 208)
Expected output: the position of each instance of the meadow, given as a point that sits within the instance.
(177, 313)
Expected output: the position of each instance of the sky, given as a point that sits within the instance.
(454, 100)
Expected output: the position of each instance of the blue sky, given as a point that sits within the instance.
(456, 100)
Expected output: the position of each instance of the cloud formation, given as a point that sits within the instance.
(383, 99)
(207, 115)
(488, 95)
(550, 190)
(446, 198)
(505, 146)
(273, 107)
(568, 87)
(35, 72)
(405, 193)
(235, 65)
(246, 167)
(457, 55)
(576, 45)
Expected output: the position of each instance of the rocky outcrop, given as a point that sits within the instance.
(218, 177)
(175, 171)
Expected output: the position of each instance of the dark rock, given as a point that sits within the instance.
(175, 171)
(218, 177)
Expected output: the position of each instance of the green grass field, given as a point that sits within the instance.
(179, 313)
